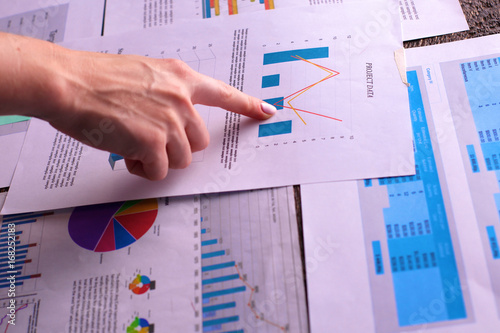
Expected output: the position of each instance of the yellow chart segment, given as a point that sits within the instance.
(142, 206)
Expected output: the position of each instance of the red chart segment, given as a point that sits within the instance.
(109, 227)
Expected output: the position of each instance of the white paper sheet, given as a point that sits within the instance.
(425, 248)
(419, 18)
(373, 137)
(11, 143)
(68, 279)
(252, 270)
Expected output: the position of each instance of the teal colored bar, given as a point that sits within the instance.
(209, 242)
(213, 254)
(206, 9)
(270, 81)
(216, 307)
(203, 231)
(277, 102)
(492, 237)
(294, 55)
(5, 120)
(220, 279)
(278, 128)
(224, 292)
(220, 321)
(377, 257)
(218, 266)
(473, 158)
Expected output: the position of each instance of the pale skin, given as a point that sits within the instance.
(146, 105)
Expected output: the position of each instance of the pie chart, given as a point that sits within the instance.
(112, 226)
(140, 285)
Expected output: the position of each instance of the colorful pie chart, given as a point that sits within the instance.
(140, 285)
(109, 227)
(139, 325)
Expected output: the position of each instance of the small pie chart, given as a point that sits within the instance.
(112, 226)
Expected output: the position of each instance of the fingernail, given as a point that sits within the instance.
(268, 108)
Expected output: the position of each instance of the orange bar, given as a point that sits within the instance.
(217, 7)
(269, 4)
(235, 7)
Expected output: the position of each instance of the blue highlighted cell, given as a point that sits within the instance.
(295, 55)
(278, 128)
(270, 81)
(473, 158)
(492, 237)
(377, 257)
(277, 102)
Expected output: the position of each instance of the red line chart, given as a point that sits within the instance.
(288, 99)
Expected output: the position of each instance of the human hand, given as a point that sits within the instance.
(141, 107)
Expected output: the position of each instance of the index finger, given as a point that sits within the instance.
(212, 92)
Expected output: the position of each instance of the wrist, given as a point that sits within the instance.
(32, 74)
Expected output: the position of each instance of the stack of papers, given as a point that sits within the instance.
(397, 165)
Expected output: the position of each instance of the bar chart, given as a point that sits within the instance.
(247, 285)
(306, 81)
(411, 237)
(213, 8)
(27, 234)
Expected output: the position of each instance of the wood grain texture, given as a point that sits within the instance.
(483, 17)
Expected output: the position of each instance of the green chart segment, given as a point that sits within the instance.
(109, 227)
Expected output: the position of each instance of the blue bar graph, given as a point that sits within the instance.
(270, 81)
(277, 128)
(220, 321)
(17, 258)
(473, 158)
(5, 253)
(277, 102)
(203, 231)
(209, 242)
(213, 254)
(220, 279)
(221, 306)
(21, 217)
(16, 268)
(492, 236)
(218, 266)
(7, 285)
(206, 9)
(295, 55)
(377, 256)
(223, 292)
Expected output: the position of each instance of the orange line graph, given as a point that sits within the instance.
(249, 304)
(291, 97)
